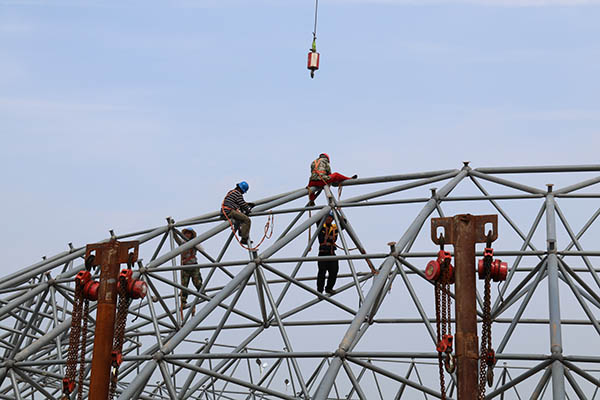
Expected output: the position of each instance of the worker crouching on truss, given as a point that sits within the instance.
(235, 208)
(320, 175)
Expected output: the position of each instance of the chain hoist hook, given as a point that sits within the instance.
(450, 363)
(490, 376)
(89, 262)
(130, 261)
(441, 240)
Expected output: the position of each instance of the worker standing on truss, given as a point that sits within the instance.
(327, 238)
(320, 175)
(188, 257)
(235, 208)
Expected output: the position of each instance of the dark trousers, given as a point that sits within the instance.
(327, 267)
(243, 220)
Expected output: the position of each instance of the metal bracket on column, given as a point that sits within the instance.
(449, 231)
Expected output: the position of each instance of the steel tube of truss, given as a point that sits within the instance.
(520, 379)
(354, 381)
(69, 257)
(231, 379)
(147, 371)
(558, 378)
(33, 270)
(395, 377)
(44, 285)
(378, 282)
(417, 302)
(574, 384)
(582, 373)
(574, 240)
(583, 229)
(588, 293)
(539, 169)
(577, 186)
(399, 188)
(205, 350)
(505, 182)
(539, 388)
(394, 178)
(283, 332)
(582, 303)
(524, 304)
(34, 384)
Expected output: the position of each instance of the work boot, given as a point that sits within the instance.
(330, 291)
(354, 176)
(244, 241)
(184, 304)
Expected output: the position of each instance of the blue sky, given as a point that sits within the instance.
(116, 114)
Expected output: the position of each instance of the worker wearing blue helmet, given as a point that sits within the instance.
(236, 209)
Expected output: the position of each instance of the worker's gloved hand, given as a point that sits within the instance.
(251, 205)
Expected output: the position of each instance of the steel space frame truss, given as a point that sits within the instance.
(212, 350)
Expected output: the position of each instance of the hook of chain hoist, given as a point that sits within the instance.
(488, 242)
(130, 261)
(490, 360)
(441, 240)
(89, 262)
(490, 376)
(450, 363)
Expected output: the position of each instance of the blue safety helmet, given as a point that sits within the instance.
(243, 185)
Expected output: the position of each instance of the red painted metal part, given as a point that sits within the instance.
(498, 273)
(90, 287)
(434, 267)
(135, 288)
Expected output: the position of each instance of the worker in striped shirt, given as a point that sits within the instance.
(236, 210)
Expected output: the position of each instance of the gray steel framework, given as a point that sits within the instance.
(258, 329)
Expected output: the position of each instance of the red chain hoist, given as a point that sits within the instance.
(488, 269)
(441, 272)
(86, 289)
(128, 289)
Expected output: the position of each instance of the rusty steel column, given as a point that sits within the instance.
(109, 256)
(463, 232)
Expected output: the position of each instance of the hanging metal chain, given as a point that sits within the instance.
(121, 320)
(74, 340)
(440, 312)
(440, 327)
(84, 328)
(486, 356)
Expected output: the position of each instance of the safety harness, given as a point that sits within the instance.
(331, 233)
(319, 172)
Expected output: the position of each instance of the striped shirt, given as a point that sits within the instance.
(235, 200)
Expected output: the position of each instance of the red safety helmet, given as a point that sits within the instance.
(324, 155)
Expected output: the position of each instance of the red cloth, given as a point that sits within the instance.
(333, 178)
